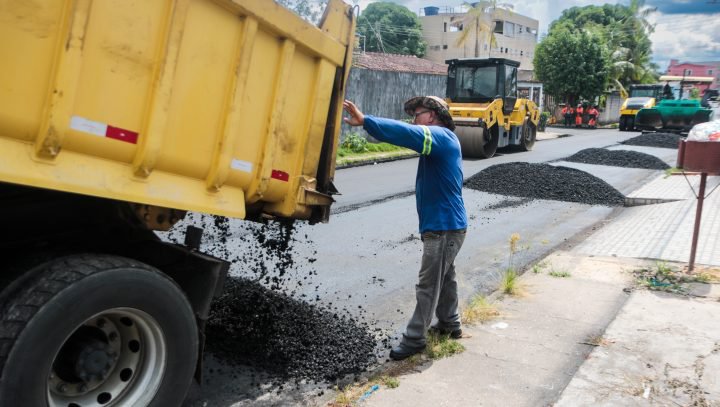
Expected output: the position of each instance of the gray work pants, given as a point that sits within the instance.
(436, 290)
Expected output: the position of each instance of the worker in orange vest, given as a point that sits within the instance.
(578, 115)
(593, 113)
(568, 113)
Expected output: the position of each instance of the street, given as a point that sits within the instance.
(369, 253)
(362, 185)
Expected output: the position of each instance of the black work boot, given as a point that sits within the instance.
(454, 333)
(401, 351)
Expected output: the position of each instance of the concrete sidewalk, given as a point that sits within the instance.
(596, 337)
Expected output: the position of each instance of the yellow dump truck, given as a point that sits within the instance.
(116, 118)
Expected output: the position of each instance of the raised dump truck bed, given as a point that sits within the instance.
(192, 105)
(116, 117)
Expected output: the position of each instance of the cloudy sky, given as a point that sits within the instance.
(688, 30)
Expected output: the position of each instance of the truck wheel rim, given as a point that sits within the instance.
(116, 357)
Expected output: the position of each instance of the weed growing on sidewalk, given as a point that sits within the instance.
(478, 310)
(663, 277)
(509, 282)
(351, 394)
(537, 268)
(441, 346)
(559, 273)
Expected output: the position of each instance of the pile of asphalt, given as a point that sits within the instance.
(543, 181)
(662, 140)
(288, 338)
(265, 319)
(618, 158)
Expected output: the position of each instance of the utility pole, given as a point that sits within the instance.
(379, 38)
(682, 84)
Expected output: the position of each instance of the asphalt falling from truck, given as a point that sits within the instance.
(662, 140)
(265, 318)
(544, 181)
(618, 158)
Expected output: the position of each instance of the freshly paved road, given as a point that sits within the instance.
(362, 185)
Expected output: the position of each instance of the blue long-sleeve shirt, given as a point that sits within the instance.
(438, 185)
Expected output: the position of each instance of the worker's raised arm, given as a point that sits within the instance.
(417, 138)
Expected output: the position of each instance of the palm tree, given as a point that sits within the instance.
(480, 20)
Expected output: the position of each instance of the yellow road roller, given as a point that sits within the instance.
(483, 99)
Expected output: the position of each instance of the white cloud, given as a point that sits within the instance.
(687, 37)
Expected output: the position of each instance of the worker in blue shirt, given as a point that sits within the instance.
(440, 207)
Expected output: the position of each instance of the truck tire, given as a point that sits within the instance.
(630, 123)
(622, 126)
(528, 134)
(96, 330)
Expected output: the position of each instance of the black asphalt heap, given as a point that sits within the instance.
(292, 339)
(663, 140)
(618, 158)
(543, 181)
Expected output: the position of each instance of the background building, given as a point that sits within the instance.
(516, 36)
(696, 69)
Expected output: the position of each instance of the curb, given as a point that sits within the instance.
(372, 161)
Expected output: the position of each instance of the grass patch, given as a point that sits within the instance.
(509, 283)
(559, 273)
(350, 158)
(663, 277)
(441, 346)
(537, 268)
(478, 310)
(352, 393)
(370, 148)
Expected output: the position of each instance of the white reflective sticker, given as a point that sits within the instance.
(88, 126)
(241, 165)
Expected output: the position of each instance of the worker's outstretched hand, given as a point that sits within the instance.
(357, 118)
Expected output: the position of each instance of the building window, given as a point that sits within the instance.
(509, 29)
(687, 72)
(445, 27)
(710, 72)
(521, 53)
(445, 46)
(533, 31)
(498, 27)
(506, 50)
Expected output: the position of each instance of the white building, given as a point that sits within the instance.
(516, 36)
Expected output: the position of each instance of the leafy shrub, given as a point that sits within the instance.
(544, 117)
(355, 143)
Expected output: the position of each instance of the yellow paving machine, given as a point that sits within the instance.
(483, 99)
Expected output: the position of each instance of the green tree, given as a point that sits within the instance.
(625, 31)
(392, 28)
(572, 65)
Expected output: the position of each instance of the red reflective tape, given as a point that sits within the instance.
(281, 175)
(121, 134)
